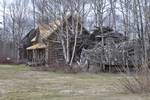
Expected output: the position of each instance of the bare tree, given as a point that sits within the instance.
(34, 13)
(4, 17)
(70, 13)
(18, 12)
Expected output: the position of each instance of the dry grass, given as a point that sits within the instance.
(20, 83)
(138, 83)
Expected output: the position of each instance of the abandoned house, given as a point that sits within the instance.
(113, 53)
(46, 48)
(102, 51)
(26, 42)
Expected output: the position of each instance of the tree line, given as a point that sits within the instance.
(131, 17)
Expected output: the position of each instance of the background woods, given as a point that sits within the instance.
(83, 26)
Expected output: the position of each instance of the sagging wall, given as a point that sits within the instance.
(54, 53)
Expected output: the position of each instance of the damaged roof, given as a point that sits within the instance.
(47, 29)
(37, 46)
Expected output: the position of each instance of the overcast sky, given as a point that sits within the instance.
(1, 9)
(89, 17)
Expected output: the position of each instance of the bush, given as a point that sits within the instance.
(6, 60)
(138, 82)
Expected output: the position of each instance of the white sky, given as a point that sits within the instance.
(9, 1)
(1, 9)
(1, 14)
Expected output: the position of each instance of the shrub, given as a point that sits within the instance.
(137, 82)
(6, 60)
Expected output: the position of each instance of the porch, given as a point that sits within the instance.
(36, 55)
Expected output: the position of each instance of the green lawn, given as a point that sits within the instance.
(21, 83)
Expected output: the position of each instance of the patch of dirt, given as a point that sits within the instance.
(72, 92)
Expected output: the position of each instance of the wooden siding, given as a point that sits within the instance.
(55, 53)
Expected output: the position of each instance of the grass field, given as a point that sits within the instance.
(21, 83)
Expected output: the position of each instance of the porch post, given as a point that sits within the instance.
(33, 56)
(27, 56)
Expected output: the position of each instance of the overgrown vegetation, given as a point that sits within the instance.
(136, 82)
(121, 38)
(21, 83)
